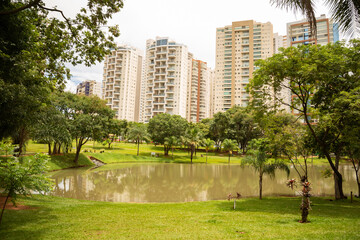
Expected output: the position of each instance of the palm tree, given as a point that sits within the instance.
(138, 133)
(193, 137)
(207, 143)
(259, 160)
(171, 142)
(229, 145)
(345, 12)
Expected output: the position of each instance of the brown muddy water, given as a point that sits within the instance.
(161, 182)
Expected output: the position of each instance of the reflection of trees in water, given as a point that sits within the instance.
(180, 182)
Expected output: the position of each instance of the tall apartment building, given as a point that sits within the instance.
(212, 92)
(89, 88)
(122, 82)
(199, 90)
(238, 46)
(166, 78)
(299, 32)
(279, 42)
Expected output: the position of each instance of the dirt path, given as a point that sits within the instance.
(9, 205)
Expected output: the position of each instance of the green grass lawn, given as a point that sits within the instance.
(271, 218)
(127, 152)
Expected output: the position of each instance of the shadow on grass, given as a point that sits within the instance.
(321, 207)
(26, 224)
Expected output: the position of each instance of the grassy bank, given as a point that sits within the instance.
(121, 152)
(271, 218)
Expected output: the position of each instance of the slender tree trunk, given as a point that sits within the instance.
(3, 209)
(229, 158)
(260, 184)
(49, 148)
(357, 174)
(55, 148)
(337, 182)
(206, 155)
(192, 152)
(172, 153)
(59, 148)
(138, 146)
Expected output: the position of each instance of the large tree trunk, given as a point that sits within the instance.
(260, 184)
(3, 208)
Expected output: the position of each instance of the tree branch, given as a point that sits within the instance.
(16, 10)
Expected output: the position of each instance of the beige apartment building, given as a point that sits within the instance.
(89, 88)
(238, 47)
(299, 33)
(199, 91)
(122, 82)
(166, 78)
(280, 41)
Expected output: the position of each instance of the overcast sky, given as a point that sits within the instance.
(190, 22)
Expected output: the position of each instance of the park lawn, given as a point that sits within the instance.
(270, 218)
(121, 152)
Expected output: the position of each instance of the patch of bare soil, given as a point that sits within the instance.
(10, 205)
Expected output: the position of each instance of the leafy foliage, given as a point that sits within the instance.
(21, 176)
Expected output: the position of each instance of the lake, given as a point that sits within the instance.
(170, 182)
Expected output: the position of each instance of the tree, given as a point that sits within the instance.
(138, 133)
(315, 76)
(219, 127)
(259, 160)
(243, 127)
(229, 145)
(348, 107)
(171, 142)
(35, 49)
(193, 138)
(52, 129)
(207, 143)
(87, 117)
(165, 125)
(23, 176)
(345, 12)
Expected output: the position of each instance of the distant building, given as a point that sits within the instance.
(238, 47)
(279, 42)
(299, 32)
(166, 78)
(122, 82)
(199, 90)
(89, 88)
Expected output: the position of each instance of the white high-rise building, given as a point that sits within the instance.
(238, 46)
(166, 78)
(122, 82)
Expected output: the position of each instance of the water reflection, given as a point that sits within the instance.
(181, 182)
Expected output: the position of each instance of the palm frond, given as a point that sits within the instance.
(347, 14)
(306, 7)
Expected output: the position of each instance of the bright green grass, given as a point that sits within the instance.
(271, 218)
(127, 152)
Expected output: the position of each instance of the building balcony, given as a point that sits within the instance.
(171, 76)
(158, 109)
